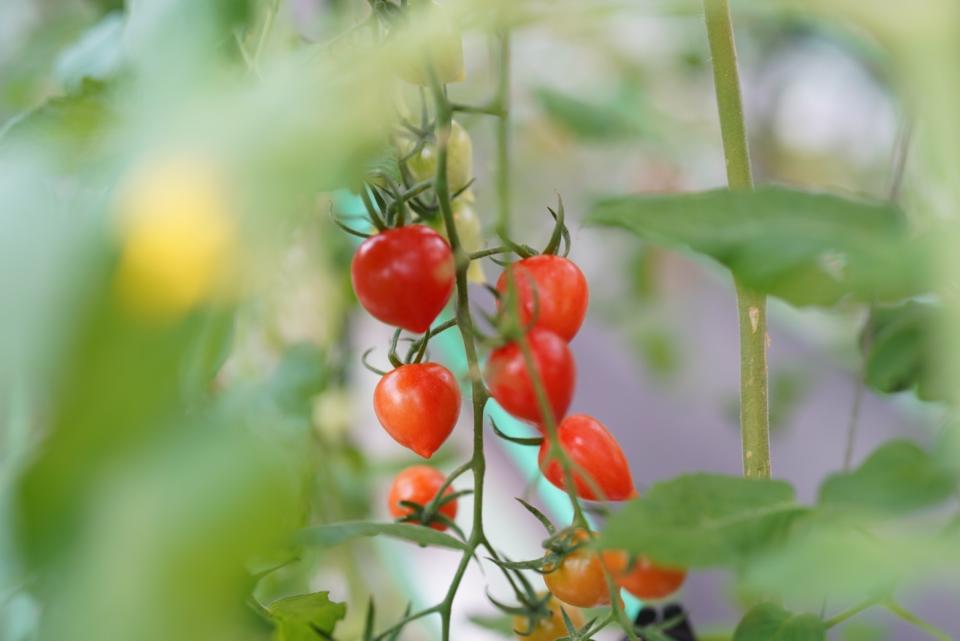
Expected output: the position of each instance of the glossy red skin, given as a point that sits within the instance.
(419, 484)
(596, 452)
(643, 579)
(404, 276)
(418, 406)
(554, 288)
(510, 383)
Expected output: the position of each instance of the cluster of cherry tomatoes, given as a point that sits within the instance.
(404, 276)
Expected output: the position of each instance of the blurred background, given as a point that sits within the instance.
(180, 393)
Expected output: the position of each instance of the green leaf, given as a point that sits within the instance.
(336, 533)
(703, 519)
(769, 622)
(620, 117)
(860, 558)
(898, 477)
(80, 113)
(303, 617)
(97, 55)
(859, 631)
(900, 350)
(806, 248)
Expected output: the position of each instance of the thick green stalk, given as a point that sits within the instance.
(751, 306)
(503, 135)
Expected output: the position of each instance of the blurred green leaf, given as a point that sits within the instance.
(900, 348)
(209, 352)
(336, 533)
(620, 117)
(770, 622)
(300, 375)
(119, 385)
(897, 477)
(807, 248)
(863, 559)
(167, 531)
(859, 631)
(97, 55)
(703, 519)
(304, 617)
(72, 122)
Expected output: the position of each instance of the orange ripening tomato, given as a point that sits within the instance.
(578, 579)
(595, 452)
(643, 579)
(549, 629)
(418, 405)
(419, 484)
(553, 288)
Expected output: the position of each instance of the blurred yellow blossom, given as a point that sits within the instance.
(177, 237)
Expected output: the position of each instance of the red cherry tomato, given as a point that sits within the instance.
(404, 276)
(418, 405)
(643, 579)
(578, 579)
(552, 287)
(595, 452)
(510, 383)
(419, 484)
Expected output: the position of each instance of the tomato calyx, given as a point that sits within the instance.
(430, 514)
(558, 545)
(560, 236)
(416, 353)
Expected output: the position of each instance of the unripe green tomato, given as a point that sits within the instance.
(470, 232)
(423, 166)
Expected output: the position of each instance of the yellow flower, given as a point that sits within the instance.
(177, 238)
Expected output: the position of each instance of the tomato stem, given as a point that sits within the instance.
(751, 305)
(911, 618)
(502, 102)
(464, 320)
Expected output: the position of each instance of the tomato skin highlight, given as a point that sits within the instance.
(644, 579)
(510, 384)
(419, 484)
(404, 276)
(554, 288)
(418, 405)
(578, 579)
(595, 452)
(550, 629)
